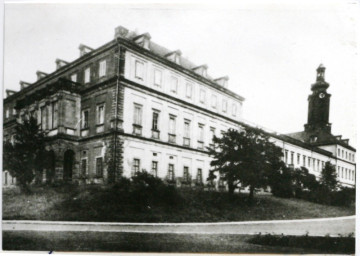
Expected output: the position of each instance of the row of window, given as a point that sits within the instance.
(98, 167)
(174, 88)
(316, 164)
(155, 132)
(136, 167)
(345, 173)
(345, 154)
(87, 73)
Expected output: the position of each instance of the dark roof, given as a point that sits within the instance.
(323, 138)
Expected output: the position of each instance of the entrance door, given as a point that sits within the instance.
(68, 164)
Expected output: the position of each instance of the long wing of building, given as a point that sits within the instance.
(134, 105)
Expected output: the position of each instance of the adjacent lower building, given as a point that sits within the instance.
(134, 105)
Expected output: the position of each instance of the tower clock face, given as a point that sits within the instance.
(322, 95)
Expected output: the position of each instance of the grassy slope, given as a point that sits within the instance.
(133, 242)
(101, 204)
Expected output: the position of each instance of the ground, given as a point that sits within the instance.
(133, 242)
(95, 203)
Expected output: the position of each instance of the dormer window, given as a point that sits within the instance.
(313, 139)
(174, 56)
(201, 70)
(143, 40)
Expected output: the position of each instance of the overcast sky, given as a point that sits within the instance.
(270, 52)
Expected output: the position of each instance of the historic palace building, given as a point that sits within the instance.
(133, 105)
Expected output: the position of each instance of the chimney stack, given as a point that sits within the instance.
(9, 92)
(174, 56)
(84, 49)
(60, 63)
(201, 70)
(121, 31)
(24, 84)
(143, 40)
(40, 74)
(222, 81)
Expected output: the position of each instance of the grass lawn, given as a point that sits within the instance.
(138, 242)
(96, 203)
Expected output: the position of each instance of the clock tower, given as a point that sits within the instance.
(319, 104)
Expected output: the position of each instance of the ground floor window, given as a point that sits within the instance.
(83, 166)
(199, 176)
(136, 165)
(171, 173)
(99, 167)
(154, 168)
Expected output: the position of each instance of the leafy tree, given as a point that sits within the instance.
(245, 158)
(303, 180)
(23, 155)
(328, 178)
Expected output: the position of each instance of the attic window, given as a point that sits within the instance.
(313, 139)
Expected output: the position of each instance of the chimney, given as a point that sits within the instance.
(24, 84)
(121, 31)
(84, 49)
(40, 75)
(9, 92)
(174, 56)
(60, 63)
(222, 81)
(143, 40)
(201, 70)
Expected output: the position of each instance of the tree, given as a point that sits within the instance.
(23, 155)
(328, 178)
(245, 158)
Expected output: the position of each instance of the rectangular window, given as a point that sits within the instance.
(100, 110)
(213, 101)
(286, 156)
(154, 168)
(338, 151)
(309, 162)
(199, 176)
(87, 75)
(186, 174)
(6, 178)
(137, 128)
(84, 166)
(318, 165)
(173, 84)
(102, 68)
(155, 125)
(74, 77)
(85, 119)
(54, 115)
(314, 164)
(139, 70)
(171, 174)
(201, 136)
(346, 155)
(234, 109)
(157, 77)
(136, 165)
(172, 129)
(292, 158)
(342, 172)
(188, 90)
(304, 161)
(7, 113)
(212, 134)
(224, 106)
(342, 153)
(202, 96)
(99, 167)
(187, 133)
(298, 159)
(338, 172)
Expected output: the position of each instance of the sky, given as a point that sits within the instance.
(270, 51)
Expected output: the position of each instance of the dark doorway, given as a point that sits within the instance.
(50, 168)
(68, 164)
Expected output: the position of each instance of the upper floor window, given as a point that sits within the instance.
(85, 119)
(201, 136)
(155, 125)
(14, 111)
(202, 95)
(342, 153)
(346, 155)
(137, 119)
(338, 151)
(173, 84)
(102, 68)
(7, 113)
(100, 111)
(54, 115)
(172, 129)
(87, 75)
(304, 161)
(74, 77)
(292, 158)
(212, 134)
(213, 101)
(139, 70)
(187, 132)
(286, 156)
(309, 162)
(188, 90)
(224, 105)
(298, 158)
(157, 77)
(43, 117)
(234, 109)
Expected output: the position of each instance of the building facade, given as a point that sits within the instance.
(133, 105)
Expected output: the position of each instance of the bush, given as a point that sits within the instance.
(321, 195)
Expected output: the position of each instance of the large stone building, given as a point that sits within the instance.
(132, 105)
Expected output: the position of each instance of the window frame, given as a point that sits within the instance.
(99, 173)
(87, 75)
(85, 121)
(139, 65)
(102, 68)
(98, 116)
